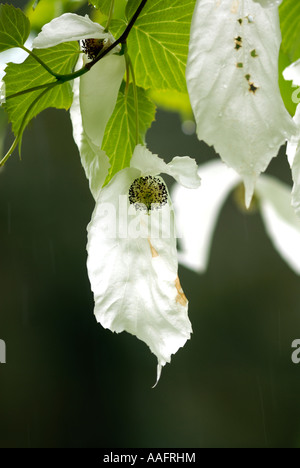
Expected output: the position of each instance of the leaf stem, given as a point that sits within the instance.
(135, 96)
(40, 61)
(26, 91)
(110, 15)
(122, 39)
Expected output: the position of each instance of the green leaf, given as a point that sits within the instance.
(119, 138)
(104, 6)
(19, 77)
(289, 22)
(14, 27)
(158, 42)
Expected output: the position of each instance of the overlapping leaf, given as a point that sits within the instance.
(119, 138)
(158, 42)
(19, 77)
(14, 27)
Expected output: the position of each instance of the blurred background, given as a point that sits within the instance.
(70, 383)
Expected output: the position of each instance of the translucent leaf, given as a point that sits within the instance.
(120, 134)
(289, 22)
(232, 77)
(29, 74)
(281, 223)
(158, 42)
(14, 27)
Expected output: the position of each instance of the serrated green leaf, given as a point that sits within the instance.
(119, 138)
(14, 27)
(289, 23)
(19, 77)
(158, 42)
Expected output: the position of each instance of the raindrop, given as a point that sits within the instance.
(188, 127)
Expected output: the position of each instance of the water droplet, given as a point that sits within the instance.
(188, 127)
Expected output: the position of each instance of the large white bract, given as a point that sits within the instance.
(132, 260)
(232, 77)
(95, 93)
(197, 214)
(292, 73)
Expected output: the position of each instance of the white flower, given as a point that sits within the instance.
(133, 266)
(95, 93)
(232, 78)
(197, 214)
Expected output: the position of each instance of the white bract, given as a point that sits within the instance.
(197, 213)
(293, 153)
(132, 259)
(292, 73)
(232, 77)
(95, 93)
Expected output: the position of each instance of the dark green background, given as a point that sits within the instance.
(70, 383)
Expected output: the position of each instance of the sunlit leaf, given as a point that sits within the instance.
(158, 42)
(289, 22)
(119, 138)
(29, 74)
(14, 27)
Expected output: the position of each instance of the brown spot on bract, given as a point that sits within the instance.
(252, 88)
(154, 252)
(181, 298)
(238, 42)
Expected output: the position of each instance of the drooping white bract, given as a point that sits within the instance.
(292, 73)
(68, 27)
(95, 93)
(132, 259)
(232, 77)
(197, 213)
(293, 153)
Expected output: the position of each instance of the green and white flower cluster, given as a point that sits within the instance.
(230, 59)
